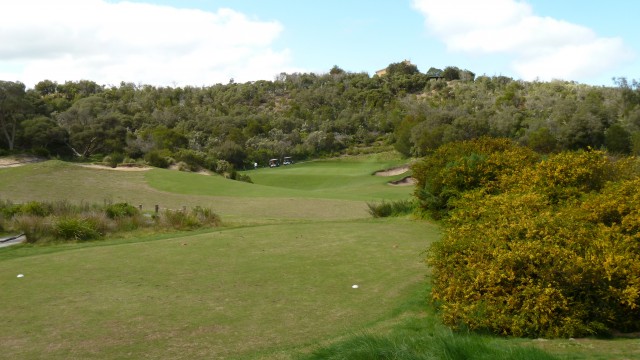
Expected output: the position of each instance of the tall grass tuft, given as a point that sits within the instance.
(179, 220)
(206, 216)
(76, 228)
(35, 228)
(392, 208)
(425, 343)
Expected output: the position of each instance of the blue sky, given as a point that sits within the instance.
(203, 42)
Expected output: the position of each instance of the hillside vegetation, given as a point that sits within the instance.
(306, 115)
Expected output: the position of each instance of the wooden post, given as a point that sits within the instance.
(157, 208)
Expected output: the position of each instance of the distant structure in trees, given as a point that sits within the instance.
(383, 72)
(432, 74)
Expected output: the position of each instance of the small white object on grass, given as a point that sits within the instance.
(20, 275)
(354, 286)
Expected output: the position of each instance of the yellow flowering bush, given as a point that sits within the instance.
(550, 250)
(458, 167)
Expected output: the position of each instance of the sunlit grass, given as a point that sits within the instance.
(224, 293)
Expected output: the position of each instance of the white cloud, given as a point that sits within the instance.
(110, 42)
(540, 47)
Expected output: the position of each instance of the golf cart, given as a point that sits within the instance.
(274, 163)
(287, 160)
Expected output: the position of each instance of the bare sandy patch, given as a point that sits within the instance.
(405, 181)
(13, 161)
(393, 171)
(119, 168)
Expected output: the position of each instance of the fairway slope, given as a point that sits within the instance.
(237, 201)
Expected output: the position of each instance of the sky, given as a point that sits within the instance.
(205, 42)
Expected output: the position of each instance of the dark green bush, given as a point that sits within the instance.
(113, 159)
(193, 160)
(157, 158)
(243, 177)
(120, 210)
(36, 208)
(9, 209)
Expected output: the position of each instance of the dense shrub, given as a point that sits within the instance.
(120, 210)
(36, 208)
(568, 175)
(553, 252)
(462, 166)
(76, 228)
(157, 158)
(243, 177)
(192, 160)
(8, 209)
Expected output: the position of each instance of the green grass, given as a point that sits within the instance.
(233, 200)
(345, 179)
(236, 292)
(274, 283)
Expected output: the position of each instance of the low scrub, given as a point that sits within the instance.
(120, 210)
(187, 220)
(43, 222)
(75, 228)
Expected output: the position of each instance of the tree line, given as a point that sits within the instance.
(307, 115)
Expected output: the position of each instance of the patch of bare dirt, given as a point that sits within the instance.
(393, 171)
(119, 168)
(405, 181)
(18, 160)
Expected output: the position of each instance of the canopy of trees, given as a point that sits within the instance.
(309, 115)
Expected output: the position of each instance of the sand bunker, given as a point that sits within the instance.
(393, 171)
(405, 181)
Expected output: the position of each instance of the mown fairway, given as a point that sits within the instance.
(279, 283)
(226, 293)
